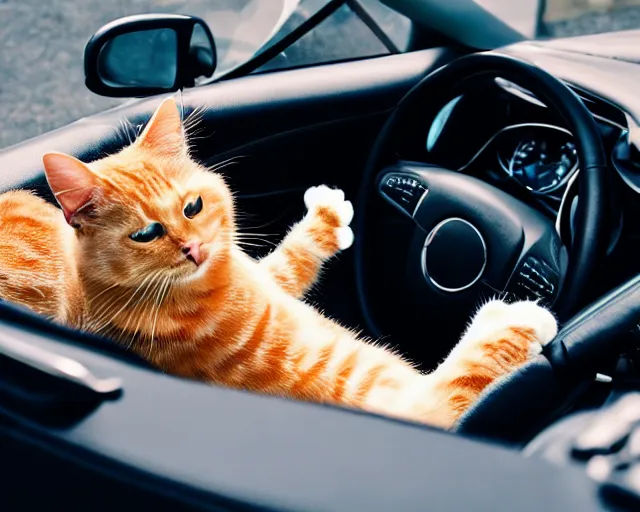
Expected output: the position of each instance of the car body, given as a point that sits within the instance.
(148, 439)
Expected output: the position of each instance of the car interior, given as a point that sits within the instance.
(535, 162)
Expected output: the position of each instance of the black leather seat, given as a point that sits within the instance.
(520, 405)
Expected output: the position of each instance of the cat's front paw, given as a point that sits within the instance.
(497, 316)
(538, 319)
(329, 207)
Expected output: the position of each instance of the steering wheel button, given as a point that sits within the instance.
(402, 191)
(534, 280)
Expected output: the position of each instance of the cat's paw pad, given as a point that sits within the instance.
(332, 198)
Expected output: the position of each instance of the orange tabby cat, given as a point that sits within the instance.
(144, 251)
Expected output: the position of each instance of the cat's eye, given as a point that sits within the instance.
(193, 208)
(147, 234)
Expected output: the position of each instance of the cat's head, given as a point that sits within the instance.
(147, 211)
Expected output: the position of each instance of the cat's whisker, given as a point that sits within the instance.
(93, 299)
(114, 303)
(246, 236)
(146, 298)
(103, 310)
(230, 159)
(255, 234)
(247, 244)
(248, 231)
(145, 301)
(125, 127)
(217, 167)
(256, 240)
(225, 163)
(245, 215)
(142, 301)
(162, 295)
(198, 137)
(264, 243)
(193, 119)
(260, 226)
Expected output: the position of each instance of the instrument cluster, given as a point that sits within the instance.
(540, 157)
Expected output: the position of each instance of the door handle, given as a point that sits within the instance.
(47, 386)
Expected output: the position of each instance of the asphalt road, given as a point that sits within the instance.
(42, 42)
(596, 22)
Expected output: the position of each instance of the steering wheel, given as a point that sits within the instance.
(471, 236)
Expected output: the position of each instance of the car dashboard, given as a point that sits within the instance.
(502, 134)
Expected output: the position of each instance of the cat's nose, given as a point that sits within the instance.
(192, 251)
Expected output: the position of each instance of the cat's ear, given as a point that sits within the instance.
(73, 184)
(164, 133)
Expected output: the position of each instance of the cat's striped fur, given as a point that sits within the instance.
(219, 316)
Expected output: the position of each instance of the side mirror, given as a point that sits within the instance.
(149, 54)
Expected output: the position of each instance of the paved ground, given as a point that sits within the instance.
(42, 42)
(621, 19)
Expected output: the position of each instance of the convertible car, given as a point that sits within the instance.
(516, 161)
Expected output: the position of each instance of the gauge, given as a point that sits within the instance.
(542, 162)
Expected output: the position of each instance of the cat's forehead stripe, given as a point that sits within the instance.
(140, 184)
